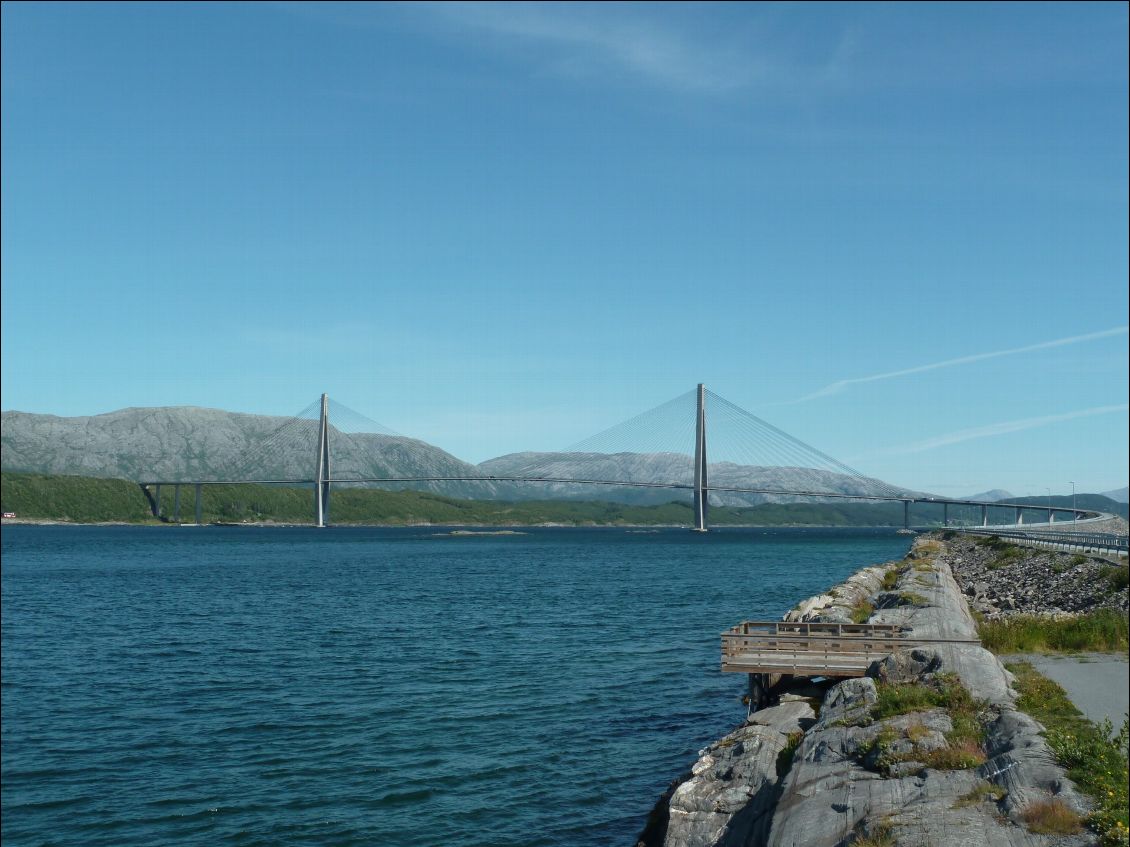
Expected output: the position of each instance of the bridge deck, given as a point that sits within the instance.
(814, 649)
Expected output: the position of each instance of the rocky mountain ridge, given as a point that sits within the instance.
(192, 443)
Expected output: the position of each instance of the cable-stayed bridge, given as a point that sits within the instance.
(737, 458)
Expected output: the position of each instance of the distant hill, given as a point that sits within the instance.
(87, 500)
(993, 496)
(674, 467)
(1119, 495)
(183, 442)
(190, 443)
(1094, 502)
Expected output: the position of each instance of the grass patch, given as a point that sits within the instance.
(962, 755)
(785, 757)
(964, 743)
(1051, 817)
(1104, 630)
(1078, 559)
(881, 835)
(861, 612)
(911, 598)
(1117, 578)
(979, 794)
(891, 578)
(1093, 754)
(1007, 553)
(944, 691)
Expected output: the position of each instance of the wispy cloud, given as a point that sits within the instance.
(671, 47)
(1002, 428)
(844, 384)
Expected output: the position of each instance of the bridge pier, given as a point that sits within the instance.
(1019, 516)
(157, 501)
(322, 475)
(906, 514)
(199, 504)
(984, 515)
(176, 503)
(945, 514)
(700, 493)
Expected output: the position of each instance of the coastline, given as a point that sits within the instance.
(428, 524)
(824, 766)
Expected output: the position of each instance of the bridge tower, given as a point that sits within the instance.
(322, 473)
(700, 483)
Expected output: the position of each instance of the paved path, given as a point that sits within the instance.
(1097, 683)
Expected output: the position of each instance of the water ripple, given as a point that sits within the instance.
(367, 686)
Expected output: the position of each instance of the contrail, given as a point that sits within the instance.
(1002, 428)
(837, 387)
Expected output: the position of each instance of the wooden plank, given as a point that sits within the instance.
(815, 649)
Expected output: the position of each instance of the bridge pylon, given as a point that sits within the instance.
(322, 474)
(700, 482)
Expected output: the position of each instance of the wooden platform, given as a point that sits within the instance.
(815, 649)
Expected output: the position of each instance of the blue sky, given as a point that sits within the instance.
(507, 227)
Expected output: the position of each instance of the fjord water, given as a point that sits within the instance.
(375, 686)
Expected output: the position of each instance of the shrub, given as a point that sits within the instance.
(862, 611)
(1101, 630)
(955, 757)
(1051, 817)
(1117, 578)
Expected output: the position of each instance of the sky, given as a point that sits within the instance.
(897, 232)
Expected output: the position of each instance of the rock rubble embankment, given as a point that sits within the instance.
(955, 764)
(1000, 579)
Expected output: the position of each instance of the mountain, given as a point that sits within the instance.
(189, 443)
(1092, 502)
(1119, 495)
(992, 496)
(674, 467)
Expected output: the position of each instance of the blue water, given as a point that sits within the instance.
(374, 686)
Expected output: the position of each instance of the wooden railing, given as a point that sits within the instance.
(815, 649)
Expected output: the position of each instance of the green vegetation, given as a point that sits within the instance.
(891, 578)
(880, 835)
(1094, 755)
(785, 757)
(73, 498)
(1103, 630)
(1051, 817)
(1117, 578)
(943, 691)
(1078, 559)
(1009, 555)
(862, 611)
(88, 500)
(913, 598)
(980, 793)
(964, 743)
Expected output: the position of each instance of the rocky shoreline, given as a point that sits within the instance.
(832, 764)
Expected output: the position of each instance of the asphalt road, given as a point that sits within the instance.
(1097, 683)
